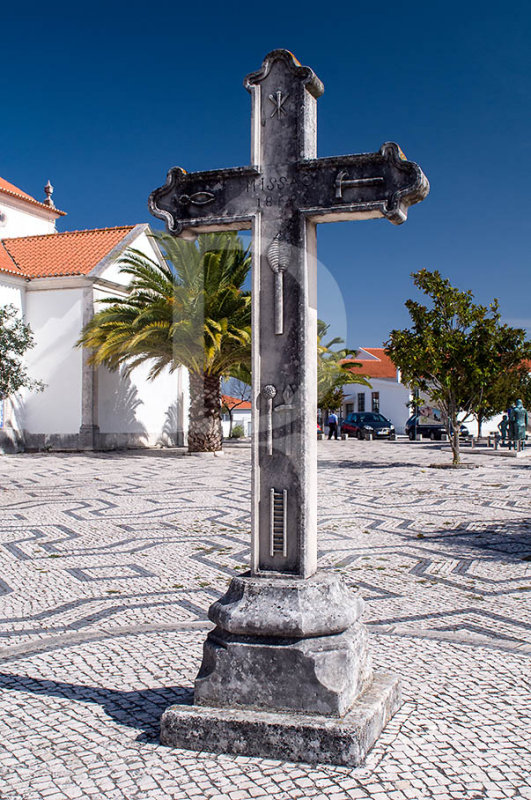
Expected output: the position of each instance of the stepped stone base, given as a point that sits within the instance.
(318, 675)
(286, 673)
(289, 736)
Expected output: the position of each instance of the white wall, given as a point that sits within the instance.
(135, 410)
(55, 317)
(22, 219)
(112, 272)
(393, 399)
(12, 291)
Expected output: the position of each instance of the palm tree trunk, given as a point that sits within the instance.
(204, 432)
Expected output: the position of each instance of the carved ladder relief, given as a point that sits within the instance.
(278, 511)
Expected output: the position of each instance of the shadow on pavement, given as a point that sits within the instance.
(140, 709)
(495, 539)
(368, 464)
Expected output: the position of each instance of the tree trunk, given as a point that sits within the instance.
(456, 454)
(480, 423)
(204, 433)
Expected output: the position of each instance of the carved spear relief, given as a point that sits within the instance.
(278, 259)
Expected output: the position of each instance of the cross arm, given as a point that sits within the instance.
(382, 184)
(196, 202)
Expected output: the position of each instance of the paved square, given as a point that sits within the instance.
(108, 563)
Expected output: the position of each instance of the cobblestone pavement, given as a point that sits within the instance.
(108, 563)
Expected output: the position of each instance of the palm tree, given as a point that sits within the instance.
(334, 370)
(190, 310)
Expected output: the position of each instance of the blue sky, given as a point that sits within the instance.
(104, 98)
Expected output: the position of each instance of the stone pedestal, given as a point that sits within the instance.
(286, 673)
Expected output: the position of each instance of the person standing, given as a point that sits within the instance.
(332, 425)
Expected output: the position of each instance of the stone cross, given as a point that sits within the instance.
(281, 197)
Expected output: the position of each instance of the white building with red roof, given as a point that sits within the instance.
(241, 411)
(55, 280)
(387, 394)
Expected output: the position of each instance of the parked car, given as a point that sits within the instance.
(432, 430)
(363, 423)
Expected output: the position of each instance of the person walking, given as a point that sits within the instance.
(332, 426)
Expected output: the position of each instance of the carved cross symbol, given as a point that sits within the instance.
(278, 101)
(282, 196)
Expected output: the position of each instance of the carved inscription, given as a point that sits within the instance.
(276, 191)
(278, 512)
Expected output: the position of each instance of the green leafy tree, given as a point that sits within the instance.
(16, 338)
(189, 311)
(455, 350)
(334, 370)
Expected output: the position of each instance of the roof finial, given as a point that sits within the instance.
(48, 190)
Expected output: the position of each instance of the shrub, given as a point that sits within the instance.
(237, 432)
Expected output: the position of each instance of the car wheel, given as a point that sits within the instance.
(359, 436)
(411, 435)
(433, 436)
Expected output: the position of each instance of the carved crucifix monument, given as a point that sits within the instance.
(286, 639)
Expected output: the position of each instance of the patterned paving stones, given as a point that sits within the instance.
(108, 563)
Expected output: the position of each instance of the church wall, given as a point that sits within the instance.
(21, 221)
(55, 317)
(112, 272)
(133, 411)
(12, 292)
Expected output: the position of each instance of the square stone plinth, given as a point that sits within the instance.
(288, 736)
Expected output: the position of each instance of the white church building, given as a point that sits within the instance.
(55, 280)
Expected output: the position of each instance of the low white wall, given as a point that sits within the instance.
(242, 417)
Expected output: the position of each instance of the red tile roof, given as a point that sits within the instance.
(380, 366)
(6, 262)
(242, 405)
(14, 191)
(54, 254)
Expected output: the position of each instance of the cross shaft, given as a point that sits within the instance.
(281, 197)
